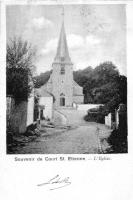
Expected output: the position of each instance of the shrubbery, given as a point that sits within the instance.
(96, 115)
(118, 141)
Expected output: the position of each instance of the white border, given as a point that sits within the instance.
(90, 179)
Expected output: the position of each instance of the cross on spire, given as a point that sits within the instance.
(62, 11)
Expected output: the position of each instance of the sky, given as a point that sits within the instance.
(95, 33)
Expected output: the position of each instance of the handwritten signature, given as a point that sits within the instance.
(57, 182)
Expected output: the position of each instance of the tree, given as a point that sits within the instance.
(82, 76)
(19, 69)
(42, 79)
(102, 84)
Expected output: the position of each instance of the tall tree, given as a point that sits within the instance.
(19, 69)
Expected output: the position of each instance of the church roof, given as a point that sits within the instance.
(77, 90)
(62, 54)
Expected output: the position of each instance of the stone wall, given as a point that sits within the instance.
(78, 99)
(30, 111)
(87, 106)
(18, 119)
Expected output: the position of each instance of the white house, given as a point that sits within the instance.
(45, 103)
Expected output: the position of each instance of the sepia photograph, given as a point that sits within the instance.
(66, 79)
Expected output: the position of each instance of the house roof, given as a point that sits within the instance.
(43, 93)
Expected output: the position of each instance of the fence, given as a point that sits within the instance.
(118, 119)
(10, 103)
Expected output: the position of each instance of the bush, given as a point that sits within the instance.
(95, 117)
(118, 141)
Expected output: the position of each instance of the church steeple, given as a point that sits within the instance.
(62, 54)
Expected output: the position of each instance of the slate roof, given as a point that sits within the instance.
(43, 93)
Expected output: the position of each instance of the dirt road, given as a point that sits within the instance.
(80, 137)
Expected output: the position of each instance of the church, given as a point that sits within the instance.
(61, 84)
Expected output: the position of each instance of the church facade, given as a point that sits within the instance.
(61, 83)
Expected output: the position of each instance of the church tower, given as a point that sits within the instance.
(62, 75)
(61, 84)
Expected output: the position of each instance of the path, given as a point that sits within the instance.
(81, 138)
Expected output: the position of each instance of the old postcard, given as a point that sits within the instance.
(66, 93)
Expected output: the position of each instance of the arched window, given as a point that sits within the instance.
(62, 71)
(62, 94)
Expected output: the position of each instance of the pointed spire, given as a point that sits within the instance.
(62, 49)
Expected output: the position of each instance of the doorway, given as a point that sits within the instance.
(62, 101)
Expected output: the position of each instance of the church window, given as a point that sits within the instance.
(62, 94)
(62, 69)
